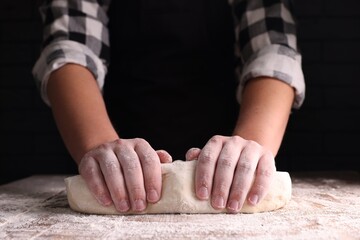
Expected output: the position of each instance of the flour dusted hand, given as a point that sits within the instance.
(125, 173)
(178, 194)
(232, 171)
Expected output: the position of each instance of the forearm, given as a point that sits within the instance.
(79, 110)
(264, 113)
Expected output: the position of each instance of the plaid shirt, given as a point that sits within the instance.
(75, 31)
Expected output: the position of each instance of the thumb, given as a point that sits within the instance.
(192, 154)
(164, 156)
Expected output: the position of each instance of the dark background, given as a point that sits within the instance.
(323, 135)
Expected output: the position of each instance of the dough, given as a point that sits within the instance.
(178, 195)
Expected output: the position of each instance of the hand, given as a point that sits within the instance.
(232, 169)
(125, 173)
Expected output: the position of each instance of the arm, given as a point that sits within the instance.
(79, 110)
(111, 167)
(271, 80)
(264, 112)
(242, 166)
(70, 74)
(239, 168)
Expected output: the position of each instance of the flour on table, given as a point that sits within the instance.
(178, 194)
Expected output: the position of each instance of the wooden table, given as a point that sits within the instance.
(322, 207)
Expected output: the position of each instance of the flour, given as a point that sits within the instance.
(319, 209)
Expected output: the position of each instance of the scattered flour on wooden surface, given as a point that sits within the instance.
(319, 209)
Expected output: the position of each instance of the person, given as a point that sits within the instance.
(171, 92)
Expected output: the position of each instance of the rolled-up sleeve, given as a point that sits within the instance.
(267, 44)
(75, 31)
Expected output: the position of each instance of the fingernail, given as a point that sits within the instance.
(139, 205)
(253, 199)
(152, 196)
(123, 206)
(219, 202)
(234, 205)
(203, 193)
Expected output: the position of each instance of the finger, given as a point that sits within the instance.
(91, 173)
(114, 179)
(205, 168)
(192, 154)
(134, 180)
(151, 169)
(243, 177)
(263, 179)
(224, 172)
(164, 156)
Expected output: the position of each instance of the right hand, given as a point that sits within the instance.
(125, 172)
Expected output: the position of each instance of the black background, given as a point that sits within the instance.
(323, 135)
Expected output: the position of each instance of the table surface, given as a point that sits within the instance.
(323, 206)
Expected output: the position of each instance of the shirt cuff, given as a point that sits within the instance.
(59, 53)
(276, 61)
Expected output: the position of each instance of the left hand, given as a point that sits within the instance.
(232, 170)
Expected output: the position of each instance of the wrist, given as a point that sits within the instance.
(78, 150)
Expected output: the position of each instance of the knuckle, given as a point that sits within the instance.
(137, 191)
(111, 167)
(245, 166)
(268, 173)
(140, 141)
(148, 159)
(238, 193)
(103, 147)
(207, 157)
(150, 184)
(216, 139)
(97, 189)
(221, 188)
(132, 165)
(87, 170)
(118, 193)
(258, 188)
(89, 156)
(204, 181)
(269, 156)
(152, 180)
(237, 139)
(252, 144)
(226, 162)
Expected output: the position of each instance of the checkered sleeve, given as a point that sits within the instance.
(75, 31)
(266, 43)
